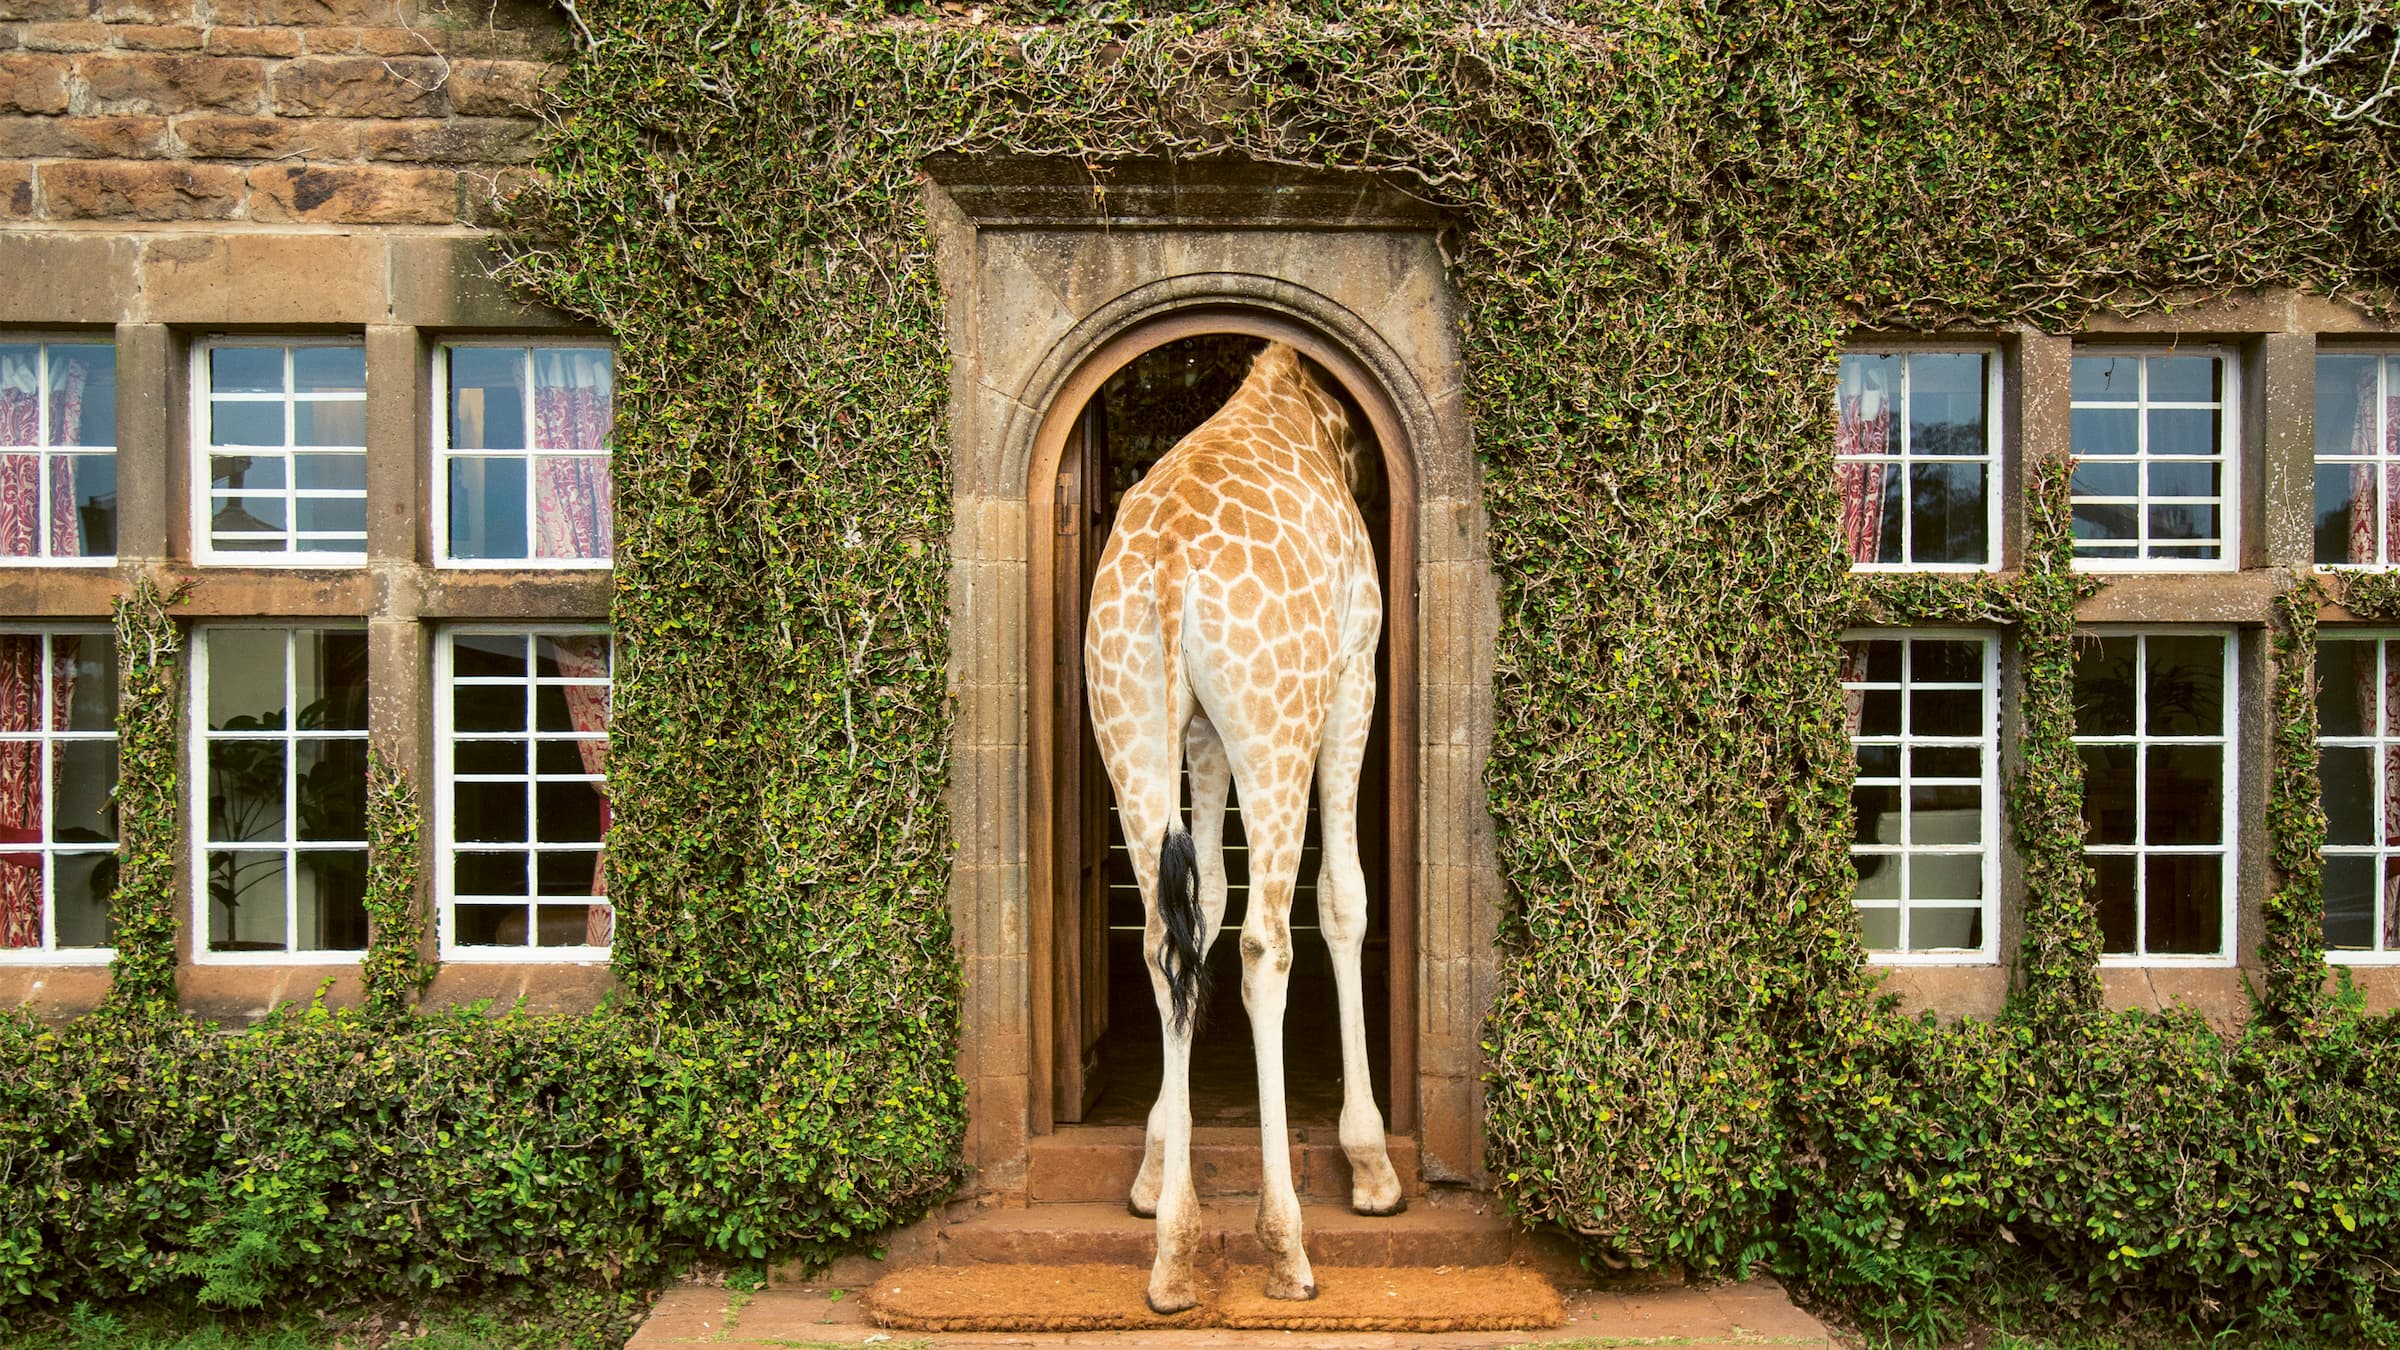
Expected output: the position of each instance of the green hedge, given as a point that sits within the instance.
(1669, 217)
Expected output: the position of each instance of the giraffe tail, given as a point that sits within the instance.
(1181, 957)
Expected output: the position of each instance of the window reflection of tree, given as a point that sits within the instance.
(245, 802)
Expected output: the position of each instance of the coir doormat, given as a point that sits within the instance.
(1009, 1297)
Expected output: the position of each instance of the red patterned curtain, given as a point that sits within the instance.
(20, 791)
(586, 658)
(20, 473)
(66, 428)
(1863, 426)
(572, 515)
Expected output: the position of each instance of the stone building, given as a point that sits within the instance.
(249, 344)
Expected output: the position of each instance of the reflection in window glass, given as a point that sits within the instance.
(1914, 436)
(2149, 434)
(524, 735)
(1922, 714)
(2358, 772)
(525, 463)
(2358, 461)
(284, 452)
(58, 777)
(58, 450)
(284, 770)
(2151, 724)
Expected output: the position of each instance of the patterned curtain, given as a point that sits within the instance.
(572, 516)
(20, 474)
(1862, 426)
(66, 428)
(20, 791)
(2363, 437)
(586, 658)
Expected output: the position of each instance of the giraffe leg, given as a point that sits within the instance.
(1274, 823)
(1342, 912)
(1212, 781)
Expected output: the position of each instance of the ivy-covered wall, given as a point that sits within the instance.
(1670, 216)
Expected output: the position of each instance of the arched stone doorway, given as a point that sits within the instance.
(1095, 1044)
(1051, 287)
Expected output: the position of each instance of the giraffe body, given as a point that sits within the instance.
(1234, 621)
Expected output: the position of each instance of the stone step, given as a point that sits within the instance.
(1091, 1164)
(1106, 1234)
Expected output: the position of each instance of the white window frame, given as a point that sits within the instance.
(439, 488)
(49, 452)
(50, 953)
(1991, 459)
(2377, 745)
(291, 846)
(2228, 739)
(203, 447)
(1990, 846)
(2229, 499)
(2381, 462)
(445, 777)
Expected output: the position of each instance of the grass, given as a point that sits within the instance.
(433, 1327)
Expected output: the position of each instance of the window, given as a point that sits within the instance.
(2358, 735)
(58, 451)
(1923, 713)
(2152, 716)
(58, 777)
(2358, 462)
(283, 429)
(524, 462)
(1916, 435)
(2152, 438)
(522, 767)
(282, 776)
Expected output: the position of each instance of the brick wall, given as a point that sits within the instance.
(403, 112)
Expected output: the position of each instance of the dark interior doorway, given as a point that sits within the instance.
(1107, 1065)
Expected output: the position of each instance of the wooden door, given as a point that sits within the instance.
(1079, 909)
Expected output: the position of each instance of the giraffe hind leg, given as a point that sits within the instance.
(1212, 783)
(1342, 917)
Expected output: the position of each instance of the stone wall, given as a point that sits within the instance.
(402, 112)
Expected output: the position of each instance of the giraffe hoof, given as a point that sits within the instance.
(1168, 1307)
(1397, 1206)
(1140, 1211)
(1296, 1293)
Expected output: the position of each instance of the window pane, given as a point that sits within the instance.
(489, 707)
(233, 423)
(2187, 794)
(332, 784)
(83, 394)
(329, 369)
(2184, 912)
(2099, 378)
(343, 423)
(565, 925)
(1937, 662)
(1946, 712)
(2346, 405)
(1950, 517)
(84, 884)
(338, 515)
(20, 682)
(571, 396)
(1945, 929)
(2349, 791)
(245, 678)
(2345, 512)
(84, 682)
(2105, 431)
(2184, 431)
(490, 874)
(2107, 478)
(490, 925)
(331, 671)
(347, 472)
(1945, 815)
(2112, 890)
(487, 655)
(246, 471)
(2181, 479)
(487, 507)
(245, 370)
(331, 891)
(1946, 876)
(2350, 904)
(2345, 687)
(1879, 929)
(1945, 403)
(246, 791)
(490, 813)
(2108, 794)
(2184, 522)
(20, 395)
(2185, 686)
(83, 804)
(570, 873)
(245, 901)
(568, 813)
(83, 506)
(487, 398)
(572, 509)
(471, 757)
(1951, 761)
(2104, 685)
(588, 757)
(2183, 379)
(2099, 523)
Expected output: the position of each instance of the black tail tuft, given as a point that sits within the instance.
(1179, 958)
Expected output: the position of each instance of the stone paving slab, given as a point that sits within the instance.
(1752, 1315)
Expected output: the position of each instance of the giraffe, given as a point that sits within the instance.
(1234, 621)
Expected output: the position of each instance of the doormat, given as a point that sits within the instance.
(1008, 1297)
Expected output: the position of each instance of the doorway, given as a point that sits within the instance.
(1103, 1027)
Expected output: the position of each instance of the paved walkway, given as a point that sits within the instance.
(1753, 1315)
